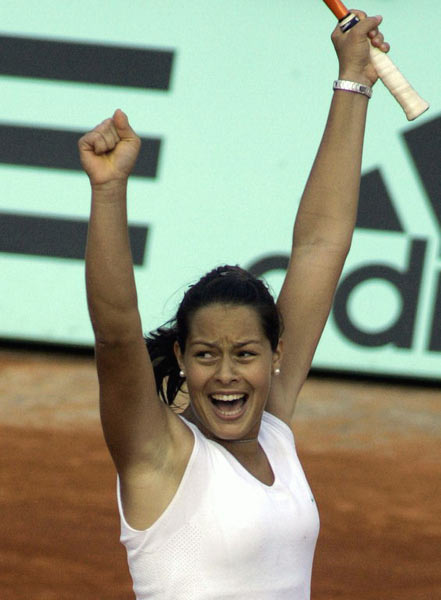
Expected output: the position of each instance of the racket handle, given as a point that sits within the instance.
(409, 100)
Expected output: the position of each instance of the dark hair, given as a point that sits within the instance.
(224, 285)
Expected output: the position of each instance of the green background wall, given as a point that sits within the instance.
(236, 132)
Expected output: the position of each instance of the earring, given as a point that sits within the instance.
(181, 374)
(276, 371)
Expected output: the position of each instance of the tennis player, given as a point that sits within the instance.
(214, 503)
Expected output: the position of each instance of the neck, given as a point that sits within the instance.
(240, 441)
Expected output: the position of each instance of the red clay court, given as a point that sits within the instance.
(371, 452)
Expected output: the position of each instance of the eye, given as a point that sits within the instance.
(204, 354)
(246, 354)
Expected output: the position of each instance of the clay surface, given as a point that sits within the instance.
(371, 452)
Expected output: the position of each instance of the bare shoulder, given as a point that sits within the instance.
(149, 443)
(147, 488)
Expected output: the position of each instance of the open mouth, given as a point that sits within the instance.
(229, 406)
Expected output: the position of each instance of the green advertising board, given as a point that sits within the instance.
(230, 99)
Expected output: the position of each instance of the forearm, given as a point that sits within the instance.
(110, 281)
(328, 207)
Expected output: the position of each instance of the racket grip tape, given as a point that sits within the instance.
(409, 100)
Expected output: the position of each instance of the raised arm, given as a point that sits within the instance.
(326, 217)
(138, 428)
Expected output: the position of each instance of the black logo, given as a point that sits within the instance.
(56, 148)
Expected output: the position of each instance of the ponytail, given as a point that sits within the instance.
(160, 345)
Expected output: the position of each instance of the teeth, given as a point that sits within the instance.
(231, 413)
(227, 397)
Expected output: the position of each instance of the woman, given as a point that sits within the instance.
(214, 503)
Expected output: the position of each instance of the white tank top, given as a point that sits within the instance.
(226, 535)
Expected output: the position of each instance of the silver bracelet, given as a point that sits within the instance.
(352, 86)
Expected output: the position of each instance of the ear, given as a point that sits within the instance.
(178, 354)
(277, 355)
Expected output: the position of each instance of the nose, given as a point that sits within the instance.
(226, 371)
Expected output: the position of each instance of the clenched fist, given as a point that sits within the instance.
(108, 153)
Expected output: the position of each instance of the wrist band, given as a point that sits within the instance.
(352, 86)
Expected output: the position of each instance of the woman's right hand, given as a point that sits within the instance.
(108, 153)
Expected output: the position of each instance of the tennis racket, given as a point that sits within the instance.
(412, 104)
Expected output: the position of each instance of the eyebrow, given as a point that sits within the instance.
(213, 344)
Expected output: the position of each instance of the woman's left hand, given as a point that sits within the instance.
(352, 49)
